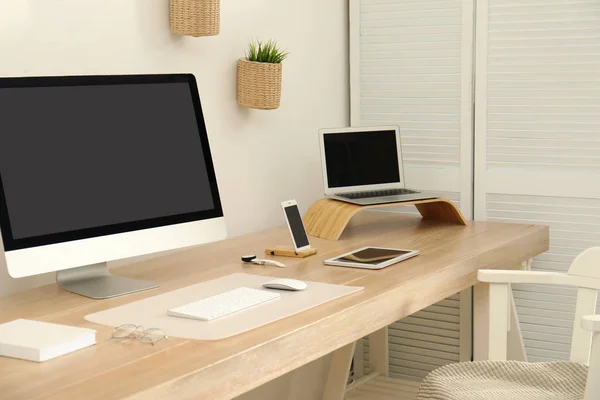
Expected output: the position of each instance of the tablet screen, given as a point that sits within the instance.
(372, 256)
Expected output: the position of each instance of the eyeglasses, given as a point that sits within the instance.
(130, 331)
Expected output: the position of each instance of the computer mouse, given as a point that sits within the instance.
(285, 284)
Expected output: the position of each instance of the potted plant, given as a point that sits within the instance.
(195, 17)
(259, 76)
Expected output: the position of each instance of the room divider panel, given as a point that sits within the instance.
(411, 65)
(536, 135)
(537, 143)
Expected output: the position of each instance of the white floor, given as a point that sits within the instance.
(384, 388)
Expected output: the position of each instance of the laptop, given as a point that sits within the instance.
(364, 166)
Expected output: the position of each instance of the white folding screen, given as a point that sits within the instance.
(411, 65)
(537, 135)
(537, 143)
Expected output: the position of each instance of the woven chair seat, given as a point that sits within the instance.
(505, 380)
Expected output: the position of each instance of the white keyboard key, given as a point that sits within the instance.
(222, 304)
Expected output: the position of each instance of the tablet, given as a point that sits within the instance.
(371, 257)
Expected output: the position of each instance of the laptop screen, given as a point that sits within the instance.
(361, 158)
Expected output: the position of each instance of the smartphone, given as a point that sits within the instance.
(295, 225)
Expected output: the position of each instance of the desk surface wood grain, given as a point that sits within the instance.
(187, 369)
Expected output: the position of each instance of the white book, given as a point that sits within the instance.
(42, 341)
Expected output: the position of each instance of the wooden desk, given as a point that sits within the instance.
(187, 369)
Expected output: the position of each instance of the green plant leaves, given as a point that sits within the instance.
(268, 52)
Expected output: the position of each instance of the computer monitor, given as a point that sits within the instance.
(100, 168)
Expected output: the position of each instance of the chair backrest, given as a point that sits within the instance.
(586, 265)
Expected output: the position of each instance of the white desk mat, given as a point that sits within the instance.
(152, 312)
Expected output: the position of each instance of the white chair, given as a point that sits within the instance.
(499, 379)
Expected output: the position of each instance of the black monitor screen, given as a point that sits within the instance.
(361, 158)
(88, 156)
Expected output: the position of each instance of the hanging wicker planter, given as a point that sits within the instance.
(258, 84)
(195, 17)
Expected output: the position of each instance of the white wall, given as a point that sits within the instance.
(261, 157)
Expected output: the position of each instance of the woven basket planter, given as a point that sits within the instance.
(195, 17)
(258, 84)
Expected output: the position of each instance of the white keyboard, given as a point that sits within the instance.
(222, 304)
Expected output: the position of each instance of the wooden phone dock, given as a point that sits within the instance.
(289, 251)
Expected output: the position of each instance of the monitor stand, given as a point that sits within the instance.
(96, 282)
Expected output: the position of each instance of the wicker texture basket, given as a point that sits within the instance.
(195, 17)
(258, 84)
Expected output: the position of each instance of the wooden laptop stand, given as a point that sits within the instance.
(327, 218)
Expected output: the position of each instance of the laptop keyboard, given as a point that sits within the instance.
(376, 193)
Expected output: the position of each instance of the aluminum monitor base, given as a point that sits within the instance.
(96, 282)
